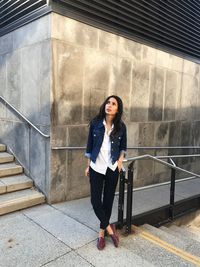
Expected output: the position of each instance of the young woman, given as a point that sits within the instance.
(106, 148)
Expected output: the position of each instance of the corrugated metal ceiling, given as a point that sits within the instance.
(172, 25)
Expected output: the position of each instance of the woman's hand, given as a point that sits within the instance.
(87, 171)
(119, 164)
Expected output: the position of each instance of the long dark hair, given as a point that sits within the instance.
(117, 121)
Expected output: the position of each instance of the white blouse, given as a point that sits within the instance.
(103, 160)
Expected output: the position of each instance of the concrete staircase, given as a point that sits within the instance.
(173, 246)
(16, 189)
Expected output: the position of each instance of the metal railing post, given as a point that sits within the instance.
(129, 198)
(172, 192)
(121, 199)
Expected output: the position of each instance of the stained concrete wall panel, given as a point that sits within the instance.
(20, 139)
(140, 92)
(3, 75)
(108, 42)
(156, 94)
(78, 135)
(196, 133)
(14, 83)
(145, 168)
(95, 97)
(68, 62)
(96, 82)
(129, 49)
(178, 111)
(78, 186)
(162, 59)
(162, 173)
(44, 81)
(146, 134)
(174, 133)
(6, 133)
(145, 173)
(161, 138)
(121, 82)
(189, 98)
(171, 87)
(196, 89)
(148, 55)
(195, 141)
(32, 33)
(59, 180)
(59, 135)
(6, 43)
(2, 84)
(190, 68)
(2, 111)
(186, 134)
(161, 134)
(175, 63)
(30, 76)
(175, 138)
(132, 134)
(39, 153)
(72, 31)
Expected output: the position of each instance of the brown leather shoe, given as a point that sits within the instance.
(101, 243)
(114, 229)
(115, 240)
(114, 237)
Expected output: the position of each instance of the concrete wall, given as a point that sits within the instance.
(160, 92)
(25, 80)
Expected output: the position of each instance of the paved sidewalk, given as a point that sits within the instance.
(65, 234)
(53, 236)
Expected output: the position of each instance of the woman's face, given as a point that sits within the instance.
(111, 107)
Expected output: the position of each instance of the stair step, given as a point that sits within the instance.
(182, 231)
(185, 245)
(6, 157)
(10, 169)
(14, 183)
(151, 252)
(19, 200)
(192, 234)
(2, 147)
(193, 246)
(195, 230)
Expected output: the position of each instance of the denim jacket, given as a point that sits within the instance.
(95, 140)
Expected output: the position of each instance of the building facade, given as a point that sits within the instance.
(66, 57)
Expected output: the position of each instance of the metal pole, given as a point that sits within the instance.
(172, 192)
(129, 198)
(121, 199)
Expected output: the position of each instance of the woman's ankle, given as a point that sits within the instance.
(109, 230)
(101, 233)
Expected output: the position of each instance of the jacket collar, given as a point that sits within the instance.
(100, 124)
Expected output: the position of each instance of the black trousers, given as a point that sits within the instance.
(102, 194)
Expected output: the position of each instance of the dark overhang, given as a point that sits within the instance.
(16, 13)
(171, 25)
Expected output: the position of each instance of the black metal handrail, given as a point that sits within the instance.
(129, 182)
(129, 147)
(6, 103)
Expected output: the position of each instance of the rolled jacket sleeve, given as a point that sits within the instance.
(89, 143)
(123, 145)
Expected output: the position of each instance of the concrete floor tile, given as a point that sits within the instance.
(111, 256)
(24, 243)
(71, 259)
(64, 228)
